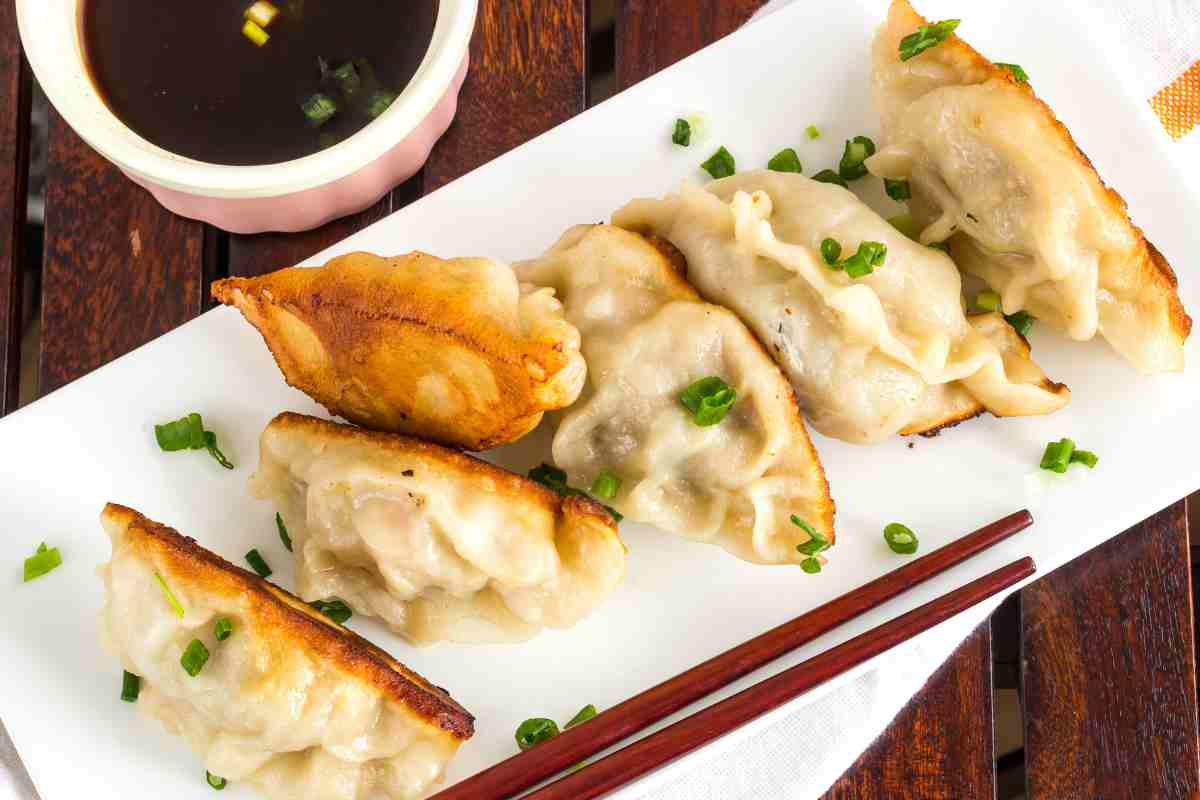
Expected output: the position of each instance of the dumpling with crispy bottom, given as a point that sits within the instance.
(440, 545)
(290, 701)
(455, 351)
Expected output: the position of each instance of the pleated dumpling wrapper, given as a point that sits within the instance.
(647, 337)
(438, 544)
(993, 172)
(888, 352)
(288, 701)
(453, 351)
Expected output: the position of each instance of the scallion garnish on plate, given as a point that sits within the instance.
(900, 539)
(131, 687)
(987, 301)
(856, 152)
(172, 600)
(709, 399)
(215, 781)
(786, 160)
(897, 189)
(1059, 455)
(334, 608)
(188, 433)
(925, 37)
(812, 132)
(720, 164)
(194, 657)
(283, 532)
(44, 559)
(255, 560)
(816, 543)
(583, 715)
(1022, 321)
(1018, 73)
(555, 480)
(223, 629)
(535, 731)
(868, 256)
(830, 176)
(606, 485)
(682, 133)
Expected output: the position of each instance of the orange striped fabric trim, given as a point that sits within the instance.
(1178, 103)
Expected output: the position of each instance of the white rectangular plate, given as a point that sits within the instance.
(681, 603)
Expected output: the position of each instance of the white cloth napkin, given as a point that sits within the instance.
(800, 750)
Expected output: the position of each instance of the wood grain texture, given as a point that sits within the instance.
(528, 74)
(654, 34)
(14, 166)
(940, 746)
(1109, 671)
(118, 269)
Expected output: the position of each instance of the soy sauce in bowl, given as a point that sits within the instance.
(241, 82)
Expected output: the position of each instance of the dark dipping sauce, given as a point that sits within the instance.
(182, 74)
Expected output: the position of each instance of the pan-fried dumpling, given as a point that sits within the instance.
(290, 701)
(440, 545)
(993, 171)
(647, 336)
(891, 352)
(454, 351)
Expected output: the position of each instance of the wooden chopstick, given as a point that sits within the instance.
(515, 774)
(689, 733)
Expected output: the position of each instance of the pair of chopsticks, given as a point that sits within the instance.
(516, 774)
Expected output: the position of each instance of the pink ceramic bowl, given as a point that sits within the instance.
(291, 196)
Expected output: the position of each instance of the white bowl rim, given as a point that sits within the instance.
(132, 153)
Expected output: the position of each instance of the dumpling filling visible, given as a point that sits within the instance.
(647, 337)
(869, 357)
(290, 702)
(439, 545)
(995, 173)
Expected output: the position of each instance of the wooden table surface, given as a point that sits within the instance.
(1102, 650)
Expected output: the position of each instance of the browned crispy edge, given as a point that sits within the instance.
(509, 483)
(676, 276)
(289, 616)
(1159, 271)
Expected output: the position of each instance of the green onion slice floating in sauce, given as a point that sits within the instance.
(348, 79)
(900, 539)
(334, 608)
(283, 532)
(319, 109)
(255, 560)
(535, 731)
(720, 164)
(786, 160)
(381, 100)
(194, 657)
(830, 176)
(131, 687)
(857, 151)
(606, 485)
(709, 399)
(925, 37)
(44, 559)
(682, 134)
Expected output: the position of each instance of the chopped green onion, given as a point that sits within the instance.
(252, 31)
(906, 225)
(1020, 74)
(283, 532)
(194, 657)
(925, 37)
(555, 480)
(785, 160)
(335, 608)
(813, 132)
(857, 151)
(1022, 321)
(258, 563)
(131, 687)
(816, 542)
(262, 13)
(831, 251)
(901, 539)
(606, 485)
(167, 593)
(987, 301)
(188, 433)
(223, 629)
(945, 248)
(682, 135)
(585, 713)
(319, 109)
(214, 781)
(1057, 456)
(829, 176)
(811, 565)
(43, 560)
(535, 731)
(381, 100)
(897, 189)
(720, 164)
(709, 399)
(1085, 457)
(348, 79)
